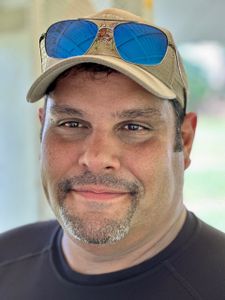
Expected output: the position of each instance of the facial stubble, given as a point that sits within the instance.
(100, 229)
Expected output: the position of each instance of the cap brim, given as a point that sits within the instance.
(139, 75)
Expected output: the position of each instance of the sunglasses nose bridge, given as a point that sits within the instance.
(105, 34)
(104, 43)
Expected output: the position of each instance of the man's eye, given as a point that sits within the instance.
(135, 127)
(71, 124)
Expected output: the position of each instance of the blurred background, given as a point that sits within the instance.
(198, 28)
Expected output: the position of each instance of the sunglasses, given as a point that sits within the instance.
(134, 42)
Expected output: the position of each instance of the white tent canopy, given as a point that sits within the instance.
(192, 20)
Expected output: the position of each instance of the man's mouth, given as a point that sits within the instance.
(94, 194)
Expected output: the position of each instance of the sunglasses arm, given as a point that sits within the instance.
(42, 37)
(180, 72)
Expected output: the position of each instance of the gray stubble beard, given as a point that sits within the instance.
(84, 230)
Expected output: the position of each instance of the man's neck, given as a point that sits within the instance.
(100, 259)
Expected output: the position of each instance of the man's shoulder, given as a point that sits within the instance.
(211, 236)
(211, 248)
(205, 241)
(202, 260)
(26, 240)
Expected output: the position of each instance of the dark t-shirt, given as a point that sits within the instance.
(32, 267)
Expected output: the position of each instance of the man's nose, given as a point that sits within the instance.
(101, 152)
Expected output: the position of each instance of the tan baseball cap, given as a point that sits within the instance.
(166, 80)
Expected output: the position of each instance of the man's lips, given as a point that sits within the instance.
(98, 194)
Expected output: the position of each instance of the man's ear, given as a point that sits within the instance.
(41, 115)
(188, 128)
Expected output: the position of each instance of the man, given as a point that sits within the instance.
(115, 141)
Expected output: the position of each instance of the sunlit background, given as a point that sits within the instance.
(198, 28)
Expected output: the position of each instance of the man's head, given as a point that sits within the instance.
(115, 138)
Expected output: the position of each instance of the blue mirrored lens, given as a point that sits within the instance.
(140, 43)
(70, 38)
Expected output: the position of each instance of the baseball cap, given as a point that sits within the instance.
(166, 80)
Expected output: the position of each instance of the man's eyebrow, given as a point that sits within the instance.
(65, 110)
(138, 112)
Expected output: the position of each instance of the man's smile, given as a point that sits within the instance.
(101, 193)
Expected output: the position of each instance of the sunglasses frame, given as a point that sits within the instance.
(104, 26)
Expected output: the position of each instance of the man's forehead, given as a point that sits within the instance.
(124, 113)
(117, 93)
(115, 82)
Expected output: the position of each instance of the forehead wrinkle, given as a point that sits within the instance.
(56, 109)
(138, 112)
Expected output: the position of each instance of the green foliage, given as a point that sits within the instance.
(204, 189)
(198, 85)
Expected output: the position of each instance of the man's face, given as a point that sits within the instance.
(109, 168)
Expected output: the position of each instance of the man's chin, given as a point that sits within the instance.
(95, 229)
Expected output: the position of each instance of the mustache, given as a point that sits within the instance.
(108, 180)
